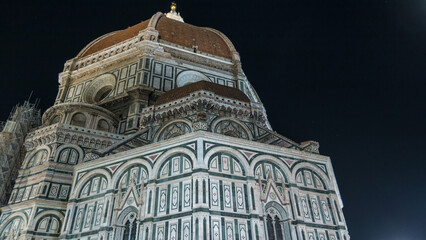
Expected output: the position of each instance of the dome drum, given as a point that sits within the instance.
(81, 115)
(158, 28)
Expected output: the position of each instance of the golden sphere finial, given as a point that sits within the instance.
(173, 6)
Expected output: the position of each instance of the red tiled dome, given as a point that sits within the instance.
(184, 34)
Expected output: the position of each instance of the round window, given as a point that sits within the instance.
(103, 93)
(99, 89)
(187, 77)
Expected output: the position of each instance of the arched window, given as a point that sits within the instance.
(128, 222)
(227, 164)
(274, 224)
(139, 172)
(38, 158)
(48, 224)
(308, 178)
(175, 165)
(68, 155)
(103, 125)
(129, 230)
(79, 119)
(103, 93)
(265, 169)
(99, 89)
(95, 185)
(13, 229)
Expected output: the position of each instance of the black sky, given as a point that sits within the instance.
(349, 74)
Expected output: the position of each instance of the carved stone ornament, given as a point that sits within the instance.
(90, 156)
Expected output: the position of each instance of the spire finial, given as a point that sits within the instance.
(173, 7)
(173, 14)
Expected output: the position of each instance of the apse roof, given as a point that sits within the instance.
(224, 91)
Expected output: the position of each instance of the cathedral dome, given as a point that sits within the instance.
(172, 31)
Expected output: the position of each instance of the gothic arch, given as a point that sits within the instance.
(124, 213)
(76, 147)
(275, 167)
(34, 152)
(169, 161)
(231, 151)
(158, 163)
(239, 162)
(78, 186)
(8, 220)
(10, 224)
(273, 160)
(283, 213)
(43, 214)
(129, 214)
(161, 131)
(244, 128)
(118, 175)
(313, 168)
(125, 166)
(277, 221)
(101, 178)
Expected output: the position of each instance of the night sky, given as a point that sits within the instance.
(348, 74)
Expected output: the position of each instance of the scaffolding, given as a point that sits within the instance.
(21, 120)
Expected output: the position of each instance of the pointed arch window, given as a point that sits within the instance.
(129, 230)
(274, 227)
(128, 223)
(277, 225)
(138, 172)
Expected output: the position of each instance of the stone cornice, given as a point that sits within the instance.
(30, 203)
(72, 105)
(64, 133)
(134, 47)
(214, 137)
(43, 169)
(210, 100)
